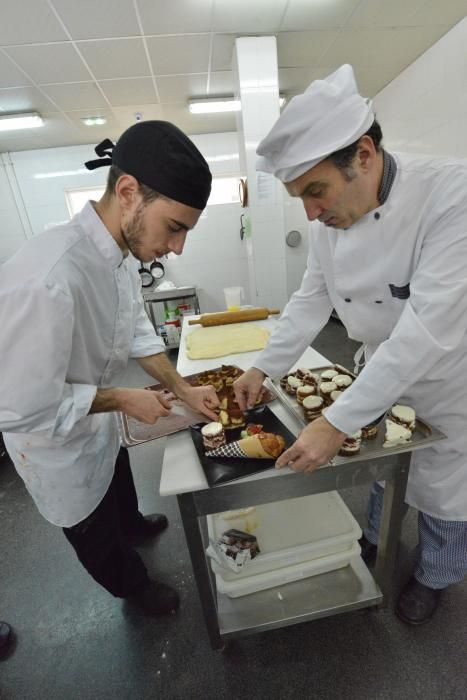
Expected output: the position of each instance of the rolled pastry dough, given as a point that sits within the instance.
(217, 341)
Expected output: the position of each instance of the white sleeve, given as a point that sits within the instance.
(35, 347)
(306, 313)
(432, 324)
(145, 341)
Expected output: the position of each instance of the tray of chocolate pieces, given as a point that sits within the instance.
(307, 393)
(134, 432)
(222, 379)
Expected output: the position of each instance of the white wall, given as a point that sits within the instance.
(424, 109)
(12, 233)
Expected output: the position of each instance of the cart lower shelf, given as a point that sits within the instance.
(350, 588)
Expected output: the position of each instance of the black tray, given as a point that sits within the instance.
(218, 470)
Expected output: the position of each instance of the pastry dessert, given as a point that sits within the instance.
(351, 445)
(369, 432)
(251, 429)
(302, 372)
(335, 395)
(304, 391)
(213, 435)
(234, 542)
(396, 434)
(328, 374)
(292, 384)
(404, 415)
(342, 381)
(312, 407)
(326, 389)
(283, 381)
(260, 446)
(311, 379)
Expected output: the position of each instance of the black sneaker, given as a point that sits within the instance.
(417, 603)
(154, 598)
(5, 639)
(369, 550)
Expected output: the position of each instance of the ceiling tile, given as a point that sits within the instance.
(179, 54)
(10, 75)
(50, 63)
(303, 14)
(75, 95)
(129, 91)
(94, 133)
(28, 21)
(222, 83)
(198, 123)
(248, 16)
(115, 58)
(442, 13)
(57, 127)
(222, 51)
(21, 143)
(125, 116)
(24, 100)
(381, 13)
(293, 81)
(88, 19)
(297, 49)
(179, 88)
(181, 17)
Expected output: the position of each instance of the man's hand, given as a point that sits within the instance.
(146, 406)
(315, 446)
(202, 399)
(248, 388)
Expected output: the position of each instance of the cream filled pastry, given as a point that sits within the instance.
(311, 379)
(335, 395)
(304, 391)
(292, 384)
(312, 406)
(396, 434)
(404, 415)
(342, 381)
(326, 389)
(213, 435)
(328, 374)
(351, 445)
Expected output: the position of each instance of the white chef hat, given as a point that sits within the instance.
(328, 116)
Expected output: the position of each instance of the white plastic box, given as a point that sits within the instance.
(290, 534)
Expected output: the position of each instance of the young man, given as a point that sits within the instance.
(71, 315)
(388, 251)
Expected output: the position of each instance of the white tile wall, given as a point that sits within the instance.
(12, 235)
(425, 108)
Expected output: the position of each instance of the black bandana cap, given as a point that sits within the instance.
(161, 157)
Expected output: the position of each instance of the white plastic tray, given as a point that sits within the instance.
(287, 574)
(291, 532)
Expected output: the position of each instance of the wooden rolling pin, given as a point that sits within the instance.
(224, 317)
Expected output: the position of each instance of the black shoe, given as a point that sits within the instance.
(417, 603)
(154, 599)
(369, 550)
(149, 526)
(5, 639)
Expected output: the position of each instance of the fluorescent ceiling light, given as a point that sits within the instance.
(218, 104)
(94, 121)
(11, 122)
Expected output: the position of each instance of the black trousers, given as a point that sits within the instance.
(99, 539)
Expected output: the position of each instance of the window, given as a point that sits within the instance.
(224, 191)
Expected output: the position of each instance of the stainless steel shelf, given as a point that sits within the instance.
(339, 591)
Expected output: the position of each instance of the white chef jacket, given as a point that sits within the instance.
(71, 314)
(398, 280)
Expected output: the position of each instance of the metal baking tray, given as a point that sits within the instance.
(423, 435)
(134, 432)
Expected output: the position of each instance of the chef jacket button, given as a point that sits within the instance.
(347, 299)
(377, 215)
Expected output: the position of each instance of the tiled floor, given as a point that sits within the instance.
(74, 641)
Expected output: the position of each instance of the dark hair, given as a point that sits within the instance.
(343, 158)
(148, 194)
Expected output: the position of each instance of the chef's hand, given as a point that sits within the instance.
(315, 446)
(248, 388)
(202, 399)
(146, 406)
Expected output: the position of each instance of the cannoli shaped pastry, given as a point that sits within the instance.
(259, 446)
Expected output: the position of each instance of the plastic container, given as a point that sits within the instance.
(290, 532)
(288, 574)
(233, 298)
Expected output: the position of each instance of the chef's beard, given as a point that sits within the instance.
(133, 234)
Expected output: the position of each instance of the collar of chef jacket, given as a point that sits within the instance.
(100, 235)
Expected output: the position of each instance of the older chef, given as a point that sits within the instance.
(71, 315)
(388, 251)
